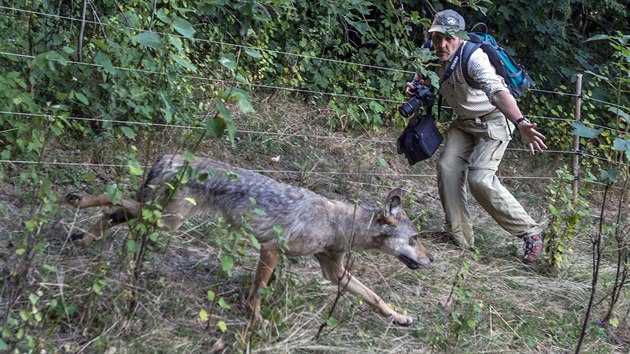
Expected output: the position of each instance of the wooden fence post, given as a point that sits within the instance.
(576, 141)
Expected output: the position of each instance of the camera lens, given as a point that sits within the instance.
(407, 108)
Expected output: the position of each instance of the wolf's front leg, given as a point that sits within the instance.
(332, 267)
(269, 257)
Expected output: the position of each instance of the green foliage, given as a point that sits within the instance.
(122, 79)
(34, 306)
(144, 64)
(567, 216)
(137, 66)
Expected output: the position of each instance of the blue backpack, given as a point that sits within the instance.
(514, 74)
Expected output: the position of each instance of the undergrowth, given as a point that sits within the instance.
(188, 293)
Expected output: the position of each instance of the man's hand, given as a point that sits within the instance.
(507, 105)
(532, 137)
(409, 90)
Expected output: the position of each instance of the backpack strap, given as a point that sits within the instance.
(479, 24)
(490, 51)
(469, 48)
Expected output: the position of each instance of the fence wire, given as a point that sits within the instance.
(263, 86)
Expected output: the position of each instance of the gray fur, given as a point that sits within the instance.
(311, 224)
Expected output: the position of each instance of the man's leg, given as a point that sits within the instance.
(486, 187)
(452, 171)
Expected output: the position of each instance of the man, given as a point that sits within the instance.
(477, 139)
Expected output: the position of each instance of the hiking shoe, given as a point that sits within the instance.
(533, 248)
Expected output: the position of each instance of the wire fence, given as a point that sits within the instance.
(566, 120)
(260, 49)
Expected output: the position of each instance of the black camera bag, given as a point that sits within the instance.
(420, 139)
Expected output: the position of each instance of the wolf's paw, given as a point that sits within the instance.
(77, 236)
(401, 320)
(73, 199)
(81, 239)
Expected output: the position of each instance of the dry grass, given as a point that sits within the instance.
(512, 307)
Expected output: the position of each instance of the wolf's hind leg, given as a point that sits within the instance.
(127, 210)
(99, 230)
(269, 257)
(131, 207)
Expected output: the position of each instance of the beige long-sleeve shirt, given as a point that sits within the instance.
(466, 101)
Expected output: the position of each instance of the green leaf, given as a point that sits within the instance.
(599, 37)
(618, 111)
(242, 79)
(253, 53)
(215, 126)
(584, 131)
(162, 16)
(128, 132)
(148, 39)
(211, 295)
(24, 315)
(115, 193)
(601, 77)
(189, 156)
(132, 245)
(609, 176)
(331, 322)
(183, 62)
(227, 263)
(81, 97)
(183, 27)
(31, 225)
(3, 346)
(33, 298)
(614, 322)
(621, 144)
(176, 42)
(224, 305)
(228, 63)
(105, 61)
(224, 112)
(97, 287)
(135, 168)
(243, 99)
(203, 315)
(376, 107)
(254, 241)
(222, 326)
(245, 106)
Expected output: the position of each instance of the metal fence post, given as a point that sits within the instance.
(576, 141)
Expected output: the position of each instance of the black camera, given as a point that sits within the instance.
(423, 95)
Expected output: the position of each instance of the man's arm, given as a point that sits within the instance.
(504, 101)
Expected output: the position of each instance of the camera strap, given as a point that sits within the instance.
(454, 61)
(448, 73)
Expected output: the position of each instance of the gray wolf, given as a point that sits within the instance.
(311, 224)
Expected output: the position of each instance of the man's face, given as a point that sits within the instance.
(445, 45)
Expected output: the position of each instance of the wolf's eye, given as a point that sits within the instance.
(413, 240)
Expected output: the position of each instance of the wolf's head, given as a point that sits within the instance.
(398, 235)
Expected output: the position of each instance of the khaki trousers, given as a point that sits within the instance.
(472, 153)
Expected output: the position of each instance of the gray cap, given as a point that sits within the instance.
(447, 21)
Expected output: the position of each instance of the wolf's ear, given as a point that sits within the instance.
(393, 204)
